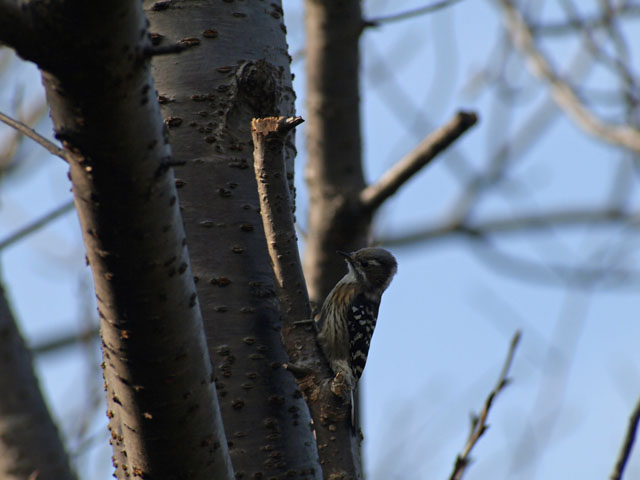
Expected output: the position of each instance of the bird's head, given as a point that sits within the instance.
(375, 267)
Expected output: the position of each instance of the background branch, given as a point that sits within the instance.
(65, 340)
(36, 224)
(546, 273)
(627, 445)
(479, 423)
(374, 195)
(30, 440)
(573, 25)
(415, 12)
(563, 93)
(516, 224)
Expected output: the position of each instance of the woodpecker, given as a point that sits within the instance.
(348, 316)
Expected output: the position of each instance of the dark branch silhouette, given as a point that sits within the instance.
(627, 445)
(479, 423)
(415, 12)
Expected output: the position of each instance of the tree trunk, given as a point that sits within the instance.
(29, 440)
(238, 69)
(334, 169)
(162, 405)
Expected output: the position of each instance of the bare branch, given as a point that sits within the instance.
(66, 340)
(277, 216)
(627, 445)
(32, 134)
(513, 224)
(415, 12)
(36, 224)
(578, 277)
(374, 195)
(573, 25)
(337, 444)
(479, 423)
(33, 113)
(563, 93)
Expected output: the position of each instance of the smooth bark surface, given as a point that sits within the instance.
(237, 70)
(162, 406)
(334, 169)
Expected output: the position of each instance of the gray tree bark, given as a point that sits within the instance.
(334, 173)
(237, 69)
(162, 405)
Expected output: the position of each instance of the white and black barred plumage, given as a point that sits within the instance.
(349, 314)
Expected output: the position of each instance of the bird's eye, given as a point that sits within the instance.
(364, 263)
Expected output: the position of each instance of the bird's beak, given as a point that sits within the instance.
(347, 256)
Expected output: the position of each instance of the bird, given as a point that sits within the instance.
(348, 316)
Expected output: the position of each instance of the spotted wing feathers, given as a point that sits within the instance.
(362, 315)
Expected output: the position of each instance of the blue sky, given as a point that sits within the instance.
(447, 319)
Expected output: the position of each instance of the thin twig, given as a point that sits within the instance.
(33, 135)
(36, 224)
(573, 25)
(627, 445)
(479, 423)
(33, 113)
(415, 12)
(374, 195)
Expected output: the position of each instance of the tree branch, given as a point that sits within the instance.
(479, 423)
(415, 12)
(571, 26)
(627, 445)
(36, 224)
(277, 216)
(338, 446)
(563, 93)
(374, 195)
(89, 334)
(33, 135)
(513, 224)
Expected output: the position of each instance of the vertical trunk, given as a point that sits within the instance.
(237, 70)
(334, 173)
(334, 169)
(29, 440)
(163, 411)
